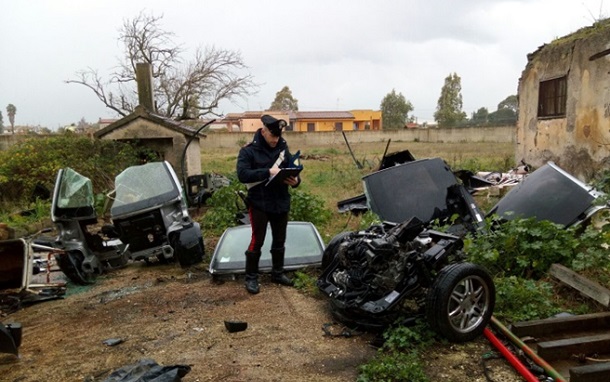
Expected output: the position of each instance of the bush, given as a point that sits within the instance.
(519, 299)
(36, 161)
(223, 208)
(398, 359)
(402, 338)
(306, 281)
(308, 207)
(522, 247)
(393, 367)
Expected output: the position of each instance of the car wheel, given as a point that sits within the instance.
(330, 252)
(71, 264)
(460, 302)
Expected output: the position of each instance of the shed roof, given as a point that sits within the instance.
(141, 112)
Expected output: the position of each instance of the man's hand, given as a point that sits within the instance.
(291, 181)
(273, 171)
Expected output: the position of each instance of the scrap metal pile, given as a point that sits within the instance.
(402, 268)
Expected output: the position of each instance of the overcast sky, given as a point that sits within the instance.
(332, 54)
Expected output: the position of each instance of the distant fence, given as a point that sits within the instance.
(502, 134)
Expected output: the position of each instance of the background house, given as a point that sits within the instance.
(307, 121)
(564, 103)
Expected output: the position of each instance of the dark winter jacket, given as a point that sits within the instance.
(253, 164)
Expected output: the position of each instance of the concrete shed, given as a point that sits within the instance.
(163, 135)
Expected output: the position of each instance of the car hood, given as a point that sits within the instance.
(550, 193)
(423, 189)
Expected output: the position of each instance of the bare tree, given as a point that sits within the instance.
(183, 89)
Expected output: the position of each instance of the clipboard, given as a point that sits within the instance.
(283, 174)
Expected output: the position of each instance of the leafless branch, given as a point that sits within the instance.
(183, 90)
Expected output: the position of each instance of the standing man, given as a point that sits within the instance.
(257, 161)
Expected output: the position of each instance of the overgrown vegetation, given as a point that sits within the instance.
(399, 357)
(28, 170)
(519, 299)
(519, 254)
(522, 247)
(35, 162)
(305, 281)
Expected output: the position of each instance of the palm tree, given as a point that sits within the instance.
(11, 110)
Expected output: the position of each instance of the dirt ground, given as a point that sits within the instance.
(176, 317)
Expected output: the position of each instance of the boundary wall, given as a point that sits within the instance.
(502, 134)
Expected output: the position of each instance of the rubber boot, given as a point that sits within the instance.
(277, 272)
(252, 271)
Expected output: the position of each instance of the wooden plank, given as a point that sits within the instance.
(582, 284)
(539, 328)
(599, 372)
(565, 348)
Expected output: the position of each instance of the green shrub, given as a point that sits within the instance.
(306, 281)
(223, 207)
(368, 219)
(602, 181)
(36, 161)
(30, 218)
(522, 247)
(402, 338)
(398, 359)
(592, 254)
(519, 299)
(393, 367)
(308, 207)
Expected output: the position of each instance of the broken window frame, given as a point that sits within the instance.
(552, 98)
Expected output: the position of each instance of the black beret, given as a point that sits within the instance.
(274, 125)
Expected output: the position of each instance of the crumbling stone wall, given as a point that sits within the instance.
(579, 142)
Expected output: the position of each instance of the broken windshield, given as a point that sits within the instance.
(144, 186)
(72, 196)
(304, 247)
(75, 190)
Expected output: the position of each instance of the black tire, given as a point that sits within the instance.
(330, 252)
(460, 302)
(71, 264)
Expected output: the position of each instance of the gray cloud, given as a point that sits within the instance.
(336, 54)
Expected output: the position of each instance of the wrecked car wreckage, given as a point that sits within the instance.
(149, 220)
(403, 269)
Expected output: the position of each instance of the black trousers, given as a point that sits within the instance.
(258, 221)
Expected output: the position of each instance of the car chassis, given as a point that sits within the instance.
(402, 269)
